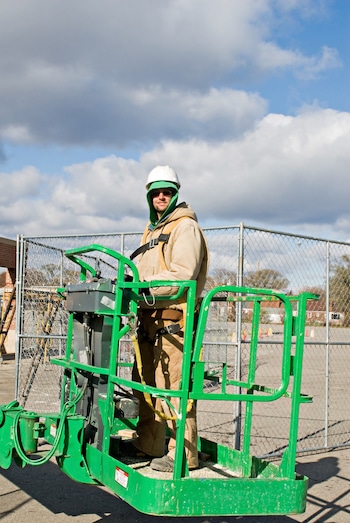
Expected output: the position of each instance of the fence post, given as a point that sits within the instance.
(327, 344)
(20, 253)
(237, 423)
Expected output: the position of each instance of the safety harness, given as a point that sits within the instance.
(133, 332)
(175, 328)
(161, 240)
(149, 245)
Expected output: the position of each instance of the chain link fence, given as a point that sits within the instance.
(238, 256)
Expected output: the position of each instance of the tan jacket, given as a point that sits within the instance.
(186, 255)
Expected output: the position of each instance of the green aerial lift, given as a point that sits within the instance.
(98, 407)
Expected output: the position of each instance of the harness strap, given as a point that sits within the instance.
(162, 238)
(172, 328)
(147, 395)
(161, 314)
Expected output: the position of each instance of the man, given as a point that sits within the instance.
(183, 256)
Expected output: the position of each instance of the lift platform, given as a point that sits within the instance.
(98, 407)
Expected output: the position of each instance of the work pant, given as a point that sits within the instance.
(161, 367)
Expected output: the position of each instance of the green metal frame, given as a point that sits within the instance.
(254, 487)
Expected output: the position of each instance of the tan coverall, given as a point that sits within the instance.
(186, 258)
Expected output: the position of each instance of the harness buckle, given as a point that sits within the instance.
(170, 329)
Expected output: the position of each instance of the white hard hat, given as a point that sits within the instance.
(163, 173)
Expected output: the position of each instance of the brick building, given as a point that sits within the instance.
(8, 298)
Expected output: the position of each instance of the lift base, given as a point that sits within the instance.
(215, 489)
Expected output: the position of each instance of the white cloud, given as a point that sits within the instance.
(287, 171)
(108, 186)
(25, 183)
(270, 56)
(152, 74)
(16, 133)
(312, 67)
(307, 8)
(175, 83)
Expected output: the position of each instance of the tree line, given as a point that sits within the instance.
(339, 283)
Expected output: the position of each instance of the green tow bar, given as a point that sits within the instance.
(98, 407)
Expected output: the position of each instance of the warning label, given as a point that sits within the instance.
(121, 477)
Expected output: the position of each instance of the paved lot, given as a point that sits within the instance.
(45, 494)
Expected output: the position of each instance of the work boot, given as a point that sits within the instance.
(164, 464)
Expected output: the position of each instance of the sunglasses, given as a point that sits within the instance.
(164, 192)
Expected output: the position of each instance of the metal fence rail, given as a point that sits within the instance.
(239, 256)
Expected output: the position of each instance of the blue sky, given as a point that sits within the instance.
(331, 27)
(247, 100)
